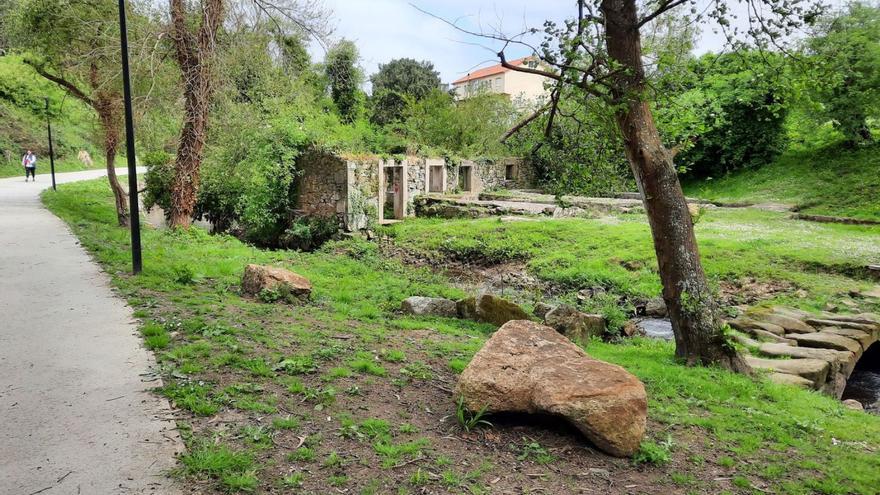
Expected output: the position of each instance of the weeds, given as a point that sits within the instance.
(467, 419)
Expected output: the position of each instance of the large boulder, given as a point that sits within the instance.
(577, 326)
(257, 278)
(530, 368)
(498, 311)
(429, 306)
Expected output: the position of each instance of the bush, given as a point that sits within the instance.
(309, 233)
(728, 116)
(160, 174)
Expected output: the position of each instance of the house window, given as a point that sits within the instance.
(497, 84)
(508, 172)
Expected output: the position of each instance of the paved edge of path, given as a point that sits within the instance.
(76, 411)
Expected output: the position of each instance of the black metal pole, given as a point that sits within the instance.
(134, 211)
(51, 151)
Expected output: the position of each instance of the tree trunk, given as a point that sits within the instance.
(699, 338)
(106, 106)
(195, 53)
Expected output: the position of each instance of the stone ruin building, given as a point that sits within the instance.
(363, 190)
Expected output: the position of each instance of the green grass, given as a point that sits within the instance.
(23, 122)
(246, 417)
(829, 181)
(822, 261)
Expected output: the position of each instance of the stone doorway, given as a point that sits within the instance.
(437, 179)
(465, 178)
(392, 202)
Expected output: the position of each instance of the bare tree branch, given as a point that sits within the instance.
(71, 88)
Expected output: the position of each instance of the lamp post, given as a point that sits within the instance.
(134, 211)
(51, 151)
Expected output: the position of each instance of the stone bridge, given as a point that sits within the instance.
(815, 351)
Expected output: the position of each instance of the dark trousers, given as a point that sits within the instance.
(30, 172)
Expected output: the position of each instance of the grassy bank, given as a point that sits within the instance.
(828, 181)
(346, 393)
(23, 121)
(748, 254)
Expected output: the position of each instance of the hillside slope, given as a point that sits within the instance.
(23, 121)
(827, 181)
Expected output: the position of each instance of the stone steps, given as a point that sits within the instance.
(818, 351)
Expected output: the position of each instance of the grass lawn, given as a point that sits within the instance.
(830, 181)
(346, 393)
(748, 254)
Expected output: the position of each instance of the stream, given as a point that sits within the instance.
(863, 384)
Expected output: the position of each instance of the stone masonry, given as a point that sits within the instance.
(815, 351)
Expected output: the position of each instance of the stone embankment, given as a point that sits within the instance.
(815, 351)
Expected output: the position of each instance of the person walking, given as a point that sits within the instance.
(29, 162)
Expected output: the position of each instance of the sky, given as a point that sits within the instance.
(388, 29)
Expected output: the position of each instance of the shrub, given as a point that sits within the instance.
(160, 173)
(728, 116)
(308, 233)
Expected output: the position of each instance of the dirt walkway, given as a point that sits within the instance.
(75, 416)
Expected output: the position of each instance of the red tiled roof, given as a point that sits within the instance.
(488, 71)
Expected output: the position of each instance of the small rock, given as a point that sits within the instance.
(853, 404)
(429, 306)
(257, 278)
(631, 328)
(577, 326)
(498, 311)
(466, 308)
(541, 309)
(656, 308)
(633, 265)
(528, 368)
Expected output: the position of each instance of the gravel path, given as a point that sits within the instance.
(75, 413)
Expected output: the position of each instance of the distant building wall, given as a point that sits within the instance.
(353, 189)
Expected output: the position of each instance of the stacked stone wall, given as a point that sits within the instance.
(322, 185)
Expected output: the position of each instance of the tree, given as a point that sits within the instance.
(195, 45)
(845, 49)
(599, 54)
(76, 46)
(728, 113)
(395, 81)
(195, 29)
(344, 78)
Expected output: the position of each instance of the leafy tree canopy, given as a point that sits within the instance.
(845, 51)
(396, 80)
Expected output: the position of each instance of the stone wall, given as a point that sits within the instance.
(348, 187)
(493, 174)
(362, 194)
(322, 185)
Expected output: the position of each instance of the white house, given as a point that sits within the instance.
(498, 79)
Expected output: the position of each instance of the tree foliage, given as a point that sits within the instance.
(845, 54)
(727, 113)
(344, 78)
(397, 81)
